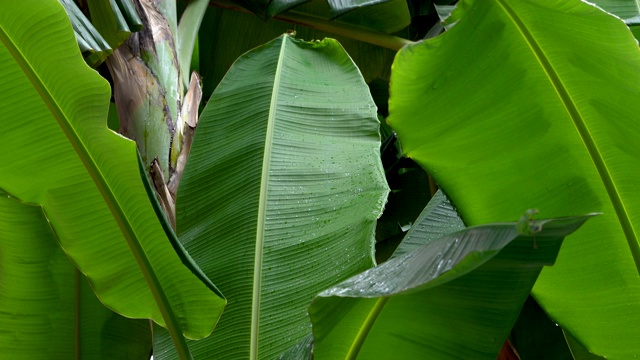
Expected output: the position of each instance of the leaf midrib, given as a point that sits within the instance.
(583, 131)
(99, 180)
(262, 207)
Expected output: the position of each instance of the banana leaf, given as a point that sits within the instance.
(115, 19)
(48, 308)
(627, 10)
(387, 16)
(578, 351)
(439, 218)
(280, 195)
(188, 27)
(267, 9)
(534, 104)
(93, 46)
(456, 297)
(220, 48)
(59, 154)
(535, 336)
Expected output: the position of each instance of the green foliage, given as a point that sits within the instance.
(40, 294)
(550, 122)
(86, 177)
(519, 104)
(437, 300)
(303, 217)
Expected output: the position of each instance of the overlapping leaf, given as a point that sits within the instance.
(381, 15)
(281, 192)
(58, 153)
(533, 104)
(48, 309)
(454, 297)
(221, 48)
(93, 46)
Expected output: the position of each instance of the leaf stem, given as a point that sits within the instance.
(339, 28)
(366, 327)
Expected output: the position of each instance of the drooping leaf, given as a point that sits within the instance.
(48, 308)
(382, 17)
(276, 7)
(281, 192)
(59, 154)
(534, 104)
(220, 48)
(456, 297)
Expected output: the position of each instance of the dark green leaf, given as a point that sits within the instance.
(455, 298)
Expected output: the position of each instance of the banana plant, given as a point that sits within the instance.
(87, 178)
(518, 104)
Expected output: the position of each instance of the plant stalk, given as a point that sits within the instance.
(394, 43)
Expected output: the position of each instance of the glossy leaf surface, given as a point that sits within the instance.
(438, 219)
(549, 119)
(455, 297)
(627, 10)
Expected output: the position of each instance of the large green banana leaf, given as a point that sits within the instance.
(48, 308)
(535, 104)
(281, 192)
(455, 297)
(58, 153)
